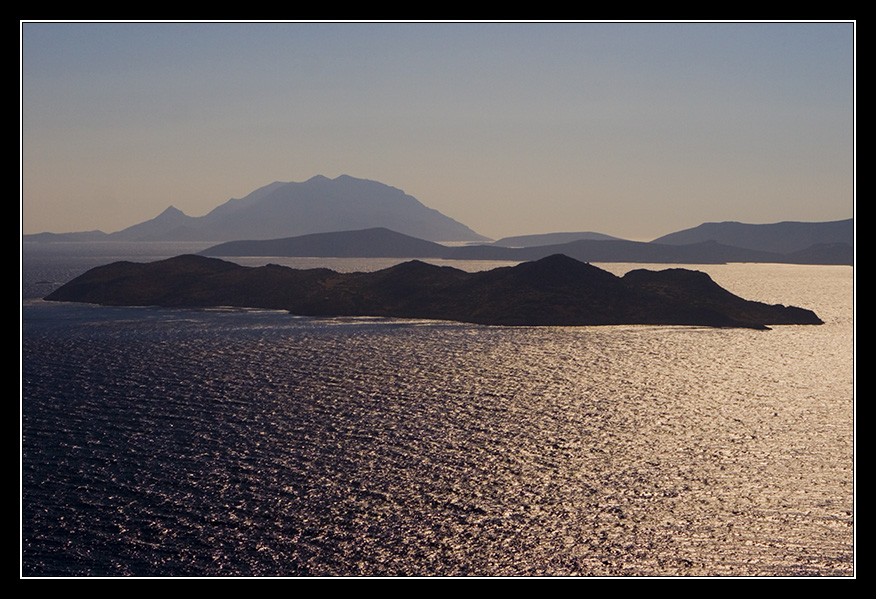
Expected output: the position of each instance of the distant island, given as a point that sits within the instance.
(554, 291)
(380, 242)
(343, 208)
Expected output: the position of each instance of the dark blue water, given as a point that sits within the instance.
(236, 442)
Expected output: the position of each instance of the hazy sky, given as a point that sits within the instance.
(629, 129)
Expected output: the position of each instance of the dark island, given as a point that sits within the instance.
(556, 290)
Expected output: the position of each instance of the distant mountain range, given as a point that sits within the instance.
(353, 217)
(281, 209)
(384, 243)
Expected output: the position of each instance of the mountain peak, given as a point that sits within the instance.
(172, 211)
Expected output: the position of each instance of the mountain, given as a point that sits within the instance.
(782, 238)
(556, 290)
(317, 205)
(170, 225)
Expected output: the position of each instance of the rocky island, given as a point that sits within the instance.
(553, 291)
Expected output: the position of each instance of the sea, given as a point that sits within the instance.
(246, 443)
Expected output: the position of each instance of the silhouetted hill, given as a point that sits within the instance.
(556, 290)
(781, 238)
(314, 206)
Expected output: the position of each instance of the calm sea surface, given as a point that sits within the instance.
(241, 442)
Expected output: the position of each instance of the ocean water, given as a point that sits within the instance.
(254, 443)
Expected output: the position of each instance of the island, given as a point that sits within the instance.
(553, 291)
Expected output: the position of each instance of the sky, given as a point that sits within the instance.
(630, 129)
